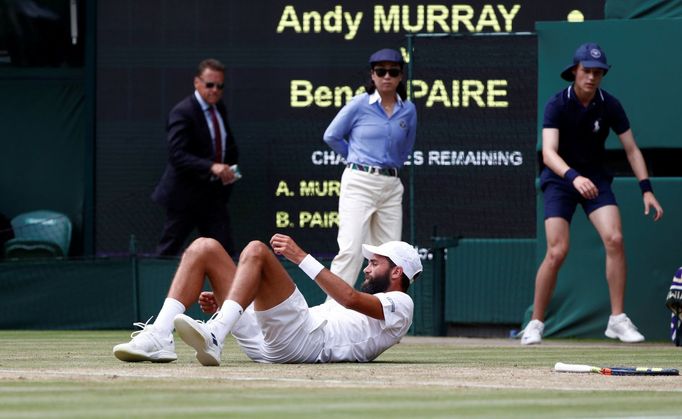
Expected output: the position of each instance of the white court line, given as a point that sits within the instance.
(5, 373)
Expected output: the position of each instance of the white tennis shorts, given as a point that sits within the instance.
(286, 333)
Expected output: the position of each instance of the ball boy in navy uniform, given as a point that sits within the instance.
(576, 124)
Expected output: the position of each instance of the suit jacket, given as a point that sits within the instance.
(186, 180)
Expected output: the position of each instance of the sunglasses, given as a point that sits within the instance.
(381, 72)
(211, 85)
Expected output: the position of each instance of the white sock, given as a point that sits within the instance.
(617, 317)
(223, 323)
(164, 320)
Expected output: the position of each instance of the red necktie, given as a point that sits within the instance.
(217, 138)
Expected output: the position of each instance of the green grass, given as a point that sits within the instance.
(74, 374)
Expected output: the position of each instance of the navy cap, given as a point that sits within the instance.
(590, 55)
(386, 54)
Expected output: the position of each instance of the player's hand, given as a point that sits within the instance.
(586, 188)
(650, 202)
(286, 246)
(207, 302)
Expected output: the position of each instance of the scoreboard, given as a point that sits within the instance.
(291, 67)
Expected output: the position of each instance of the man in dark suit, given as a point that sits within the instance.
(202, 158)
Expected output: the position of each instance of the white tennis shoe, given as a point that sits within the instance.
(532, 334)
(146, 345)
(200, 336)
(621, 327)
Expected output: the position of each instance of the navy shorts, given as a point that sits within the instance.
(561, 198)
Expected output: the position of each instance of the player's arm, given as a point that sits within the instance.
(336, 134)
(348, 296)
(638, 166)
(552, 159)
(634, 155)
(334, 286)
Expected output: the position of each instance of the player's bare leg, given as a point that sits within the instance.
(260, 278)
(608, 224)
(204, 257)
(557, 231)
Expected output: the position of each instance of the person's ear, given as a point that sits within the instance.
(397, 272)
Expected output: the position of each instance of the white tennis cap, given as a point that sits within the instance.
(400, 253)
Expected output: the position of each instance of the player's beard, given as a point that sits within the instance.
(377, 284)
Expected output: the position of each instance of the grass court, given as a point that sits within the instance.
(50, 374)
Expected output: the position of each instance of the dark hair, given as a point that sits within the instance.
(401, 89)
(211, 63)
(405, 281)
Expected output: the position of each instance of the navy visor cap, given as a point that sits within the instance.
(590, 55)
(386, 54)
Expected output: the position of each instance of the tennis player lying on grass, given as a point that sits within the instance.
(268, 315)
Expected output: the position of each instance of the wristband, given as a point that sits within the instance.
(645, 186)
(310, 266)
(571, 174)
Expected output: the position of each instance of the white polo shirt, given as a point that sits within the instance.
(355, 337)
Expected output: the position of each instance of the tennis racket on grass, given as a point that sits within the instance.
(561, 367)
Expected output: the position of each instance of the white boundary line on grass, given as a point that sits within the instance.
(33, 374)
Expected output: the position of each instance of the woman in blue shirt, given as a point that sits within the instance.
(374, 133)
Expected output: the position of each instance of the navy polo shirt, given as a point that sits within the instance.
(583, 130)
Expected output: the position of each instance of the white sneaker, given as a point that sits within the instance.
(146, 345)
(200, 336)
(621, 327)
(532, 334)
